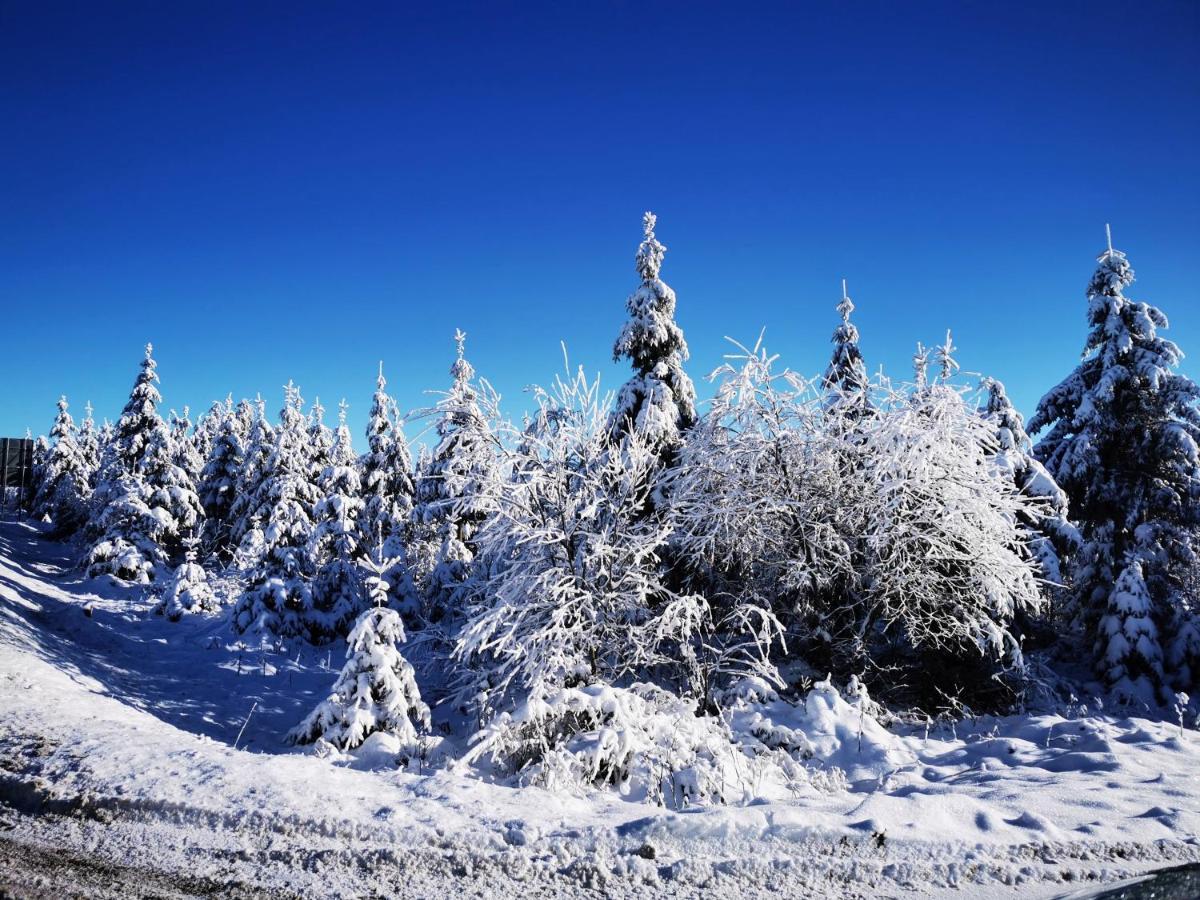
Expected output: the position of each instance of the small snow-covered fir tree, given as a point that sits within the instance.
(183, 445)
(169, 493)
(1122, 436)
(139, 419)
(1127, 641)
(279, 598)
(846, 382)
(455, 491)
(387, 483)
(90, 447)
(257, 447)
(37, 470)
(63, 490)
(659, 401)
(376, 690)
(188, 591)
(218, 483)
(206, 430)
(337, 588)
(320, 439)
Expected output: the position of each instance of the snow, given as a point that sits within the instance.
(118, 734)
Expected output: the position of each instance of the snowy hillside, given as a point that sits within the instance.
(119, 767)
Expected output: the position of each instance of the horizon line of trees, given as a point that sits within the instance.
(909, 535)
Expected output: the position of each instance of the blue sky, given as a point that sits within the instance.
(300, 190)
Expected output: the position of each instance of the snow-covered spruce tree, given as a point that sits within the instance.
(144, 503)
(766, 511)
(1052, 537)
(455, 492)
(1121, 439)
(219, 478)
(90, 447)
(337, 588)
(566, 590)
(188, 591)
(320, 439)
(376, 690)
(387, 482)
(183, 445)
(63, 489)
(279, 599)
(846, 382)
(37, 470)
(127, 444)
(207, 428)
(659, 401)
(257, 447)
(948, 565)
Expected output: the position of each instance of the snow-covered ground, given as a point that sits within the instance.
(127, 759)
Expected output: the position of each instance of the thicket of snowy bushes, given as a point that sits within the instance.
(587, 580)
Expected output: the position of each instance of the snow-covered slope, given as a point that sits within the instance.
(117, 734)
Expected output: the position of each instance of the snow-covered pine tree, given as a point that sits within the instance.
(659, 401)
(257, 447)
(846, 382)
(219, 478)
(387, 483)
(337, 588)
(169, 493)
(206, 430)
(1052, 537)
(279, 598)
(63, 490)
(320, 439)
(183, 444)
(454, 492)
(139, 419)
(1121, 439)
(37, 469)
(376, 690)
(90, 447)
(188, 591)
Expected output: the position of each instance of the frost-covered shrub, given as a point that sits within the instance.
(642, 740)
(567, 587)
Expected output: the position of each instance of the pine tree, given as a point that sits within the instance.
(337, 588)
(257, 448)
(63, 490)
(219, 478)
(320, 439)
(279, 598)
(1052, 537)
(169, 493)
(376, 690)
(139, 419)
(453, 492)
(387, 482)
(90, 447)
(846, 382)
(1122, 437)
(188, 591)
(183, 443)
(659, 401)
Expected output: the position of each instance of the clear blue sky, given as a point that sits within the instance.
(299, 190)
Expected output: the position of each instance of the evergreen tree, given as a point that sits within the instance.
(320, 439)
(169, 493)
(1052, 537)
(219, 478)
(37, 470)
(376, 689)
(90, 447)
(659, 401)
(257, 448)
(188, 591)
(1121, 439)
(63, 490)
(207, 429)
(454, 490)
(337, 588)
(184, 447)
(139, 419)
(279, 598)
(387, 482)
(846, 381)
